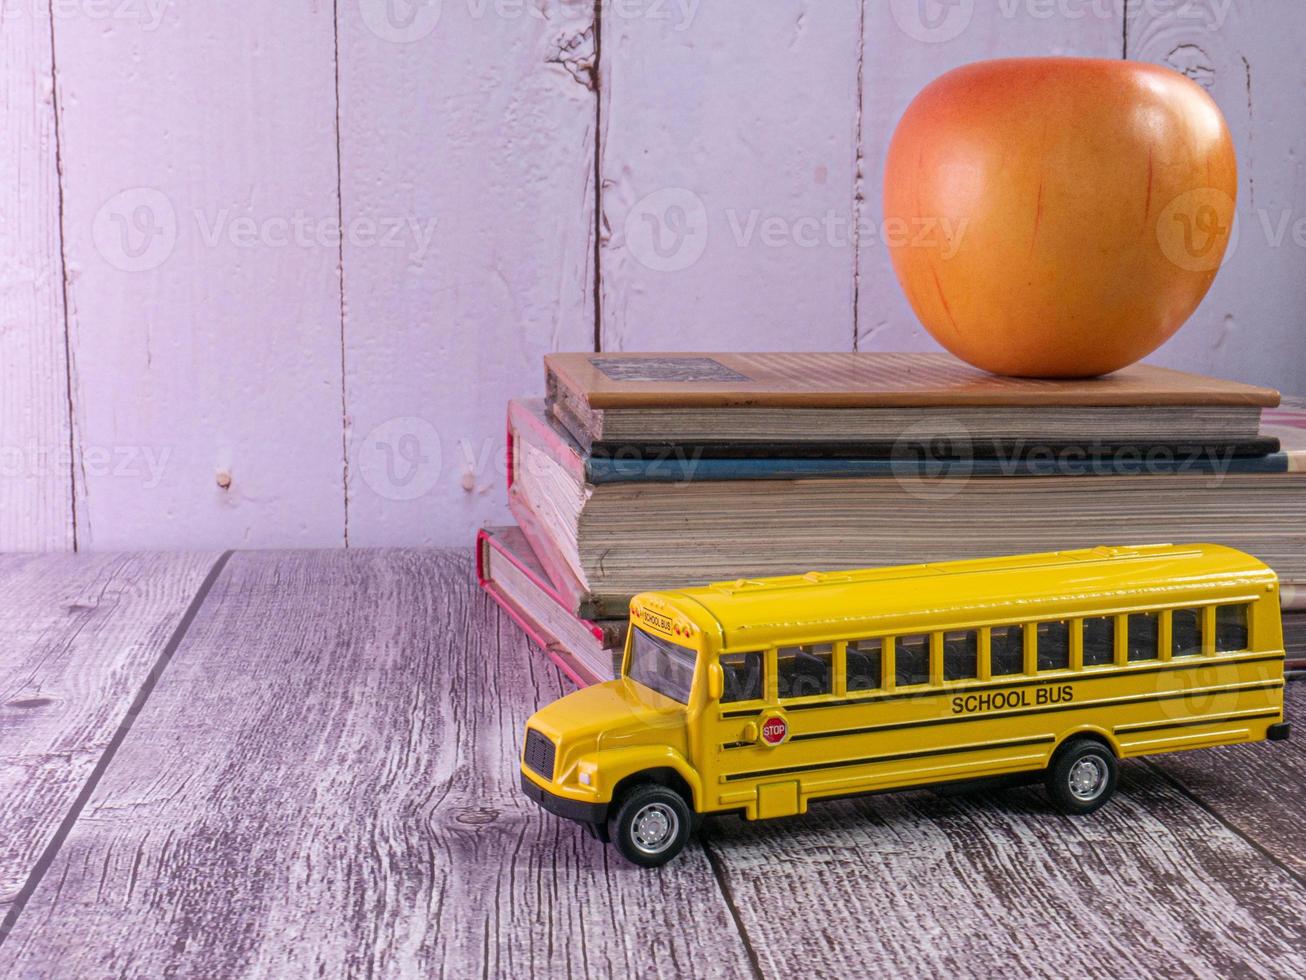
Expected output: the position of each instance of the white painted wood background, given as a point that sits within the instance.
(192, 355)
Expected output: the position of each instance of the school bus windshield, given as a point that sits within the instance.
(661, 665)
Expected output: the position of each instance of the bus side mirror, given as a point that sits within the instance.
(716, 682)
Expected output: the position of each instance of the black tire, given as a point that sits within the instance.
(651, 825)
(1082, 777)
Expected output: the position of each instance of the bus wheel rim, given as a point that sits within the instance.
(1087, 778)
(654, 828)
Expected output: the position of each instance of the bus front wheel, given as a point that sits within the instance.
(651, 826)
(1082, 777)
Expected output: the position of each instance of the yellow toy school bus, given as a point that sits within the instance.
(758, 697)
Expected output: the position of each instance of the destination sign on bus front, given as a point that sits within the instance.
(657, 621)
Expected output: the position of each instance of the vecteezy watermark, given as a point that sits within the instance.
(305, 231)
(407, 21)
(400, 459)
(669, 230)
(146, 465)
(148, 14)
(934, 460)
(401, 21)
(1281, 228)
(837, 230)
(1192, 228)
(138, 230)
(940, 21)
(932, 21)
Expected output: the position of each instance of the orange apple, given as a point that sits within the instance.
(1058, 217)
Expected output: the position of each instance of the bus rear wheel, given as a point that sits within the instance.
(1082, 777)
(651, 826)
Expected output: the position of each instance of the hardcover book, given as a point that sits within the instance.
(618, 536)
(855, 403)
(508, 569)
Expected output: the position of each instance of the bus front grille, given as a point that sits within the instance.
(539, 753)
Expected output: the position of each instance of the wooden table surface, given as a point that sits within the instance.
(292, 763)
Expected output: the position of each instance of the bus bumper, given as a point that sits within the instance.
(595, 814)
(1279, 732)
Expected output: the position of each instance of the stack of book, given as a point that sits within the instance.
(666, 471)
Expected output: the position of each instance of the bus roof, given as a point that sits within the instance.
(797, 607)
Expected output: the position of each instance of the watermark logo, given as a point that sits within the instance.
(940, 21)
(1193, 227)
(933, 21)
(148, 14)
(302, 230)
(667, 231)
(145, 466)
(401, 458)
(401, 21)
(932, 460)
(136, 229)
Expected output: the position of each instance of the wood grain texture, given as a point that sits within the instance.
(80, 636)
(906, 45)
(469, 130)
(35, 449)
(200, 202)
(324, 782)
(1250, 61)
(997, 884)
(1259, 790)
(728, 147)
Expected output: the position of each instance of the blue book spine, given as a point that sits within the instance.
(687, 468)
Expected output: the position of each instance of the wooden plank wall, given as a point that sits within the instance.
(728, 148)
(204, 324)
(473, 135)
(36, 501)
(511, 178)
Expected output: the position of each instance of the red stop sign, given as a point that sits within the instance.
(774, 731)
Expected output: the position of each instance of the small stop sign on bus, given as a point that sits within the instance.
(774, 731)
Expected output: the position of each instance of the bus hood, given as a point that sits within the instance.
(607, 710)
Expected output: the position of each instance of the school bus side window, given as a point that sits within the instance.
(864, 664)
(1054, 645)
(1230, 628)
(1185, 633)
(804, 671)
(1099, 641)
(1007, 650)
(743, 677)
(911, 655)
(1144, 636)
(960, 655)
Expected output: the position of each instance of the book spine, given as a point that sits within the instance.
(532, 427)
(606, 633)
(569, 591)
(685, 468)
(483, 540)
(509, 451)
(572, 668)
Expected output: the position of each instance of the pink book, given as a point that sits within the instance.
(508, 569)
